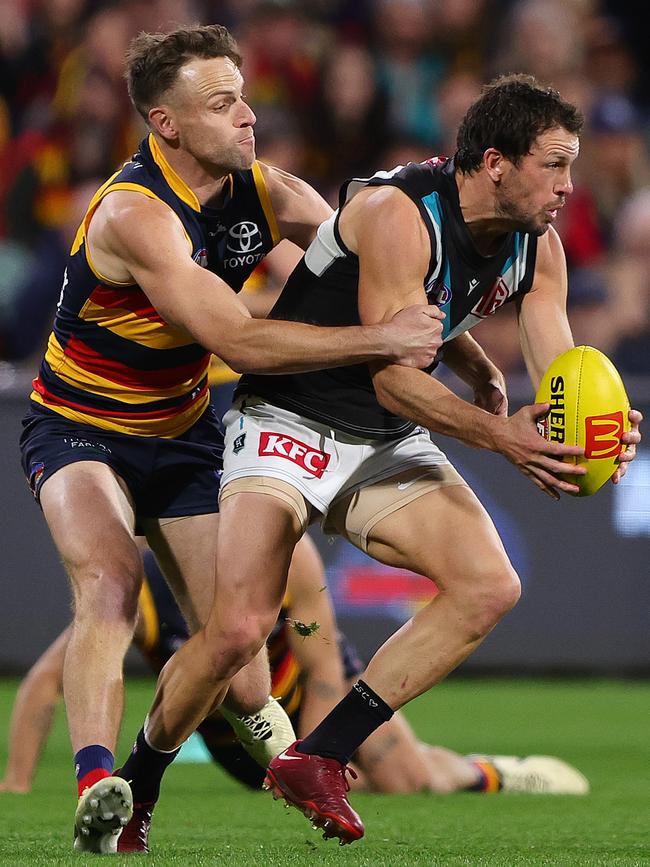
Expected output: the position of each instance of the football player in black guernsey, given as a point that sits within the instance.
(351, 447)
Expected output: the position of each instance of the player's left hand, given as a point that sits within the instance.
(491, 395)
(631, 439)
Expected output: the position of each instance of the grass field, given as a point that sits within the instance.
(206, 819)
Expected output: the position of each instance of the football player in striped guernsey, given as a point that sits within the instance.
(120, 438)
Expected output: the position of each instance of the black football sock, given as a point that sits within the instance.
(144, 769)
(347, 726)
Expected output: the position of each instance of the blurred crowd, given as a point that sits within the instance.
(340, 88)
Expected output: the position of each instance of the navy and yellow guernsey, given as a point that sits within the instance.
(323, 290)
(112, 361)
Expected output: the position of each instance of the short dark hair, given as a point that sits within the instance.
(154, 59)
(512, 111)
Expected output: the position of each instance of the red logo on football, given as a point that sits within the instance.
(603, 435)
(283, 446)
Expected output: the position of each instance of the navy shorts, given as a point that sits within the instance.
(167, 478)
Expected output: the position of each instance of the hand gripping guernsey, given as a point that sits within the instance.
(324, 290)
(115, 371)
(112, 360)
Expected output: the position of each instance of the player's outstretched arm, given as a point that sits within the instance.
(545, 332)
(386, 231)
(141, 240)
(32, 715)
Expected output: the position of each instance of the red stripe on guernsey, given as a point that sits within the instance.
(56, 400)
(122, 374)
(91, 778)
(128, 298)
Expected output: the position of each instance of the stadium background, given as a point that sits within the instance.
(344, 87)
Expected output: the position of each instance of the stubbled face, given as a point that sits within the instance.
(529, 195)
(209, 114)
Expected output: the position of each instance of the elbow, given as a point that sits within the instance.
(240, 364)
(237, 365)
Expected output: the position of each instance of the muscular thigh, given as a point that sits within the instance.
(90, 514)
(186, 550)
(445, 534)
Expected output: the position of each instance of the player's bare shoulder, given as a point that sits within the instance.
(388, 214)
(127, 226)
(550, 261)
(298, 208)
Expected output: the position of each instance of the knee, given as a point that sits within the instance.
(108, 591)
(235, 645)
(491, 596)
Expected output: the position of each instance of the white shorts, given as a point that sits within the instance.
(325, 465)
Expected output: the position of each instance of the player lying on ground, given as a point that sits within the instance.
(309, 676)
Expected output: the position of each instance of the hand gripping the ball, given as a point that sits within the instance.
(631, 440)
(541, 460)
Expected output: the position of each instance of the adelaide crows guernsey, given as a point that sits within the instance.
(323, 290)
(112, 361)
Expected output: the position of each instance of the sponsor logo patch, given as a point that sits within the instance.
(244, 237)
(36, 471)
(492, 299)
(603, 435)
(77, 443)
(238, 443)
(201, 257)
(279, 445)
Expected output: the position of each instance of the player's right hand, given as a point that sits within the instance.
(518, 440)
(415, 335)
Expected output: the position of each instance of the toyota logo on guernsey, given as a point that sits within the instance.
(244, 237)
(243, 240)
(278, 445)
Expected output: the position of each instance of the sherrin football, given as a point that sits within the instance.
(589, 408)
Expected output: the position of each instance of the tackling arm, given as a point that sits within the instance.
(146, 241)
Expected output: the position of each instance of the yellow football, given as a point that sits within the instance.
(589, 408)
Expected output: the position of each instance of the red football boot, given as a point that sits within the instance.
(318, 788)
(135, 836)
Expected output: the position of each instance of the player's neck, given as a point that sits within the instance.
(478, 207)
(207, 187)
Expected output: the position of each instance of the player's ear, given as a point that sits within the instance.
(494, 161)
(162, 122)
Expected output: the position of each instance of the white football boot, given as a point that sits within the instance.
(264, 734)
(102, 812)
(537, 775)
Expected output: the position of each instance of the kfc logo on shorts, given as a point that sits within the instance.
(278, 445)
